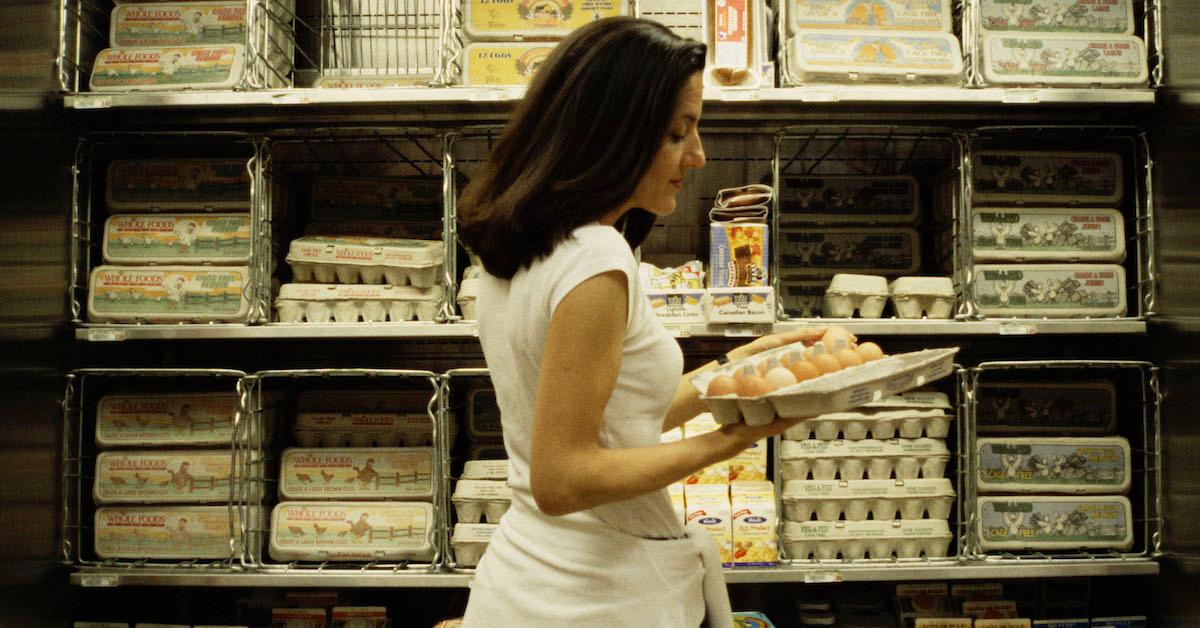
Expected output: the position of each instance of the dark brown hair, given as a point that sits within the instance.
(577, 145)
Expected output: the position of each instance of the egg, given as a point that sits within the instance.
(752, 386)
(838, 337)
(786, 360)
(848, 357)
(779, 377)
(721, 385)
(803, 369)
(744, 371)
(765, 365)
(817, 347)
(869, 351)
(826, 363)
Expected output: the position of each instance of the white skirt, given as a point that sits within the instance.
(544, 571)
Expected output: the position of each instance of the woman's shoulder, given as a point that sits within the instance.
(595, 239)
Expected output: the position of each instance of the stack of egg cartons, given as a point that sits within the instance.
(360, 485)
(162, 482)
(883, 41)
(885, 495)
(1044, 42)
(1046, 235)
(180, 45)
(369, 255)
(734, 500)
(172, 253)
(1040, 489)
(509, 41)
(481, 495)
(857, 229)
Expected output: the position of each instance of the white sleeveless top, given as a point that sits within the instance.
(573, 568)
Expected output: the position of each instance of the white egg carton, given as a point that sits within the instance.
(814, 250)
(169, 294)
(168, 68)
(352, 303)
(177, 239)
(859, 199)
(1050, 290)
(915, 399)
(474, 499)
(1053, 465)
(831, 500)
(364, 429)
(170, 532)
(847, 294)
(367, 473)
(931, 297)
(879, 424)
(350, 259)
(1046, 408)
(803, 298)
(885, 15)
(1064, 59)
(865, 56)
(485, 469)
(855, 540)
(1026, 177)
(165, 419)
(1048, 16)
(351, 531)
(468, 291)
(177, 185)
(470, 541)
(1047, 234)
(1054, 523)
(833, 392)
(195, 476)
(906, 459)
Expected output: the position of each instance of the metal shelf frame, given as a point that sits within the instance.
(1147, 515)
(78, 464)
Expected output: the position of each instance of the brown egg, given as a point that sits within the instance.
(814, 349)
(869, 351)
(722, 385)
(779, 377)
(744, 371)
(803, 369)
(752, 386)
(826, 363)
(787, 359)
(848, 358)
(765, 365)
(838, 337)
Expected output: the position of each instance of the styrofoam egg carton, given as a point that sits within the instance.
(168, 68)
(352, 531)
(880, 424)
(886, 15)
(1047, 16)
(484, 20)
(1050, 290)
(855, 199)
(1031, 522)
(485, 469)
(351, 303)
(855, 540)
(803, 298)
(350, 259)
(847, 294)
(915, 399)
(363, 429)
(1046, 408)
(177, 185)
(177, 238)
(1052, 177)
(169, 294)
(907, 459)
(830, 500)
(194, 476)
(1047, 234)
(932, 297)
(814, 250)
(474, 499)
(170, 532)
(165, 419)
(834, 392)
(1053, 465)
(864, 56)
(470, 541)
(366, 473)
(503, 63)
(1064, 59)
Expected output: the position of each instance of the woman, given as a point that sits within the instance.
(586, 377)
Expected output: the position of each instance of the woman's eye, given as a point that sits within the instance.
(678, 137)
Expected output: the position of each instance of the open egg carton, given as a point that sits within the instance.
(348, 303)
(369, 260)
(831, 500)
(904, 459)
(831, 392)
(856, 540)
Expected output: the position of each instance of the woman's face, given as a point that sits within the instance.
(680, 152)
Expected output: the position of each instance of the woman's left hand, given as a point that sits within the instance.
(807, 335)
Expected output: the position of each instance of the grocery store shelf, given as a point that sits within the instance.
(871, 327)
(829, 572)
(808, 94)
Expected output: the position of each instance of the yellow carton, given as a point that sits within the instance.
(709, 506)
(755, 519)
(717, 473)
(750, 465)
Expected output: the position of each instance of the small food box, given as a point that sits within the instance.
(864, 56)
(755, 519)
(352, 303)
(739, 305)
(504, 64)
(1050, 290)
(177, 239)
(1064, 59)
(739, 255)
(1046, 408)
(168, 69)
(1053, 465)
(1051, 177)
(1054, 523)
(708, 505)
(534, 19)
(178, 185)
(169, 294)
(352, 531)
(168, 532)
(849, 198)
(367, 473)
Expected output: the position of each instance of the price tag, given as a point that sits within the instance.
(681, 332)
(742, 331)
(1018, 329)
(819, 96)
(290, 98)
(1021, 97)
(91, 102)
(99, 581)
(105, 335)
(822, 577)
(739, 95)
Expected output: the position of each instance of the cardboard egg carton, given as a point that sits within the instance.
(880, 424)
(350, 303)
(856, 540)
(470, 541)
(906, 459)
(830, 500)
(351, 260)
(474, 499)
